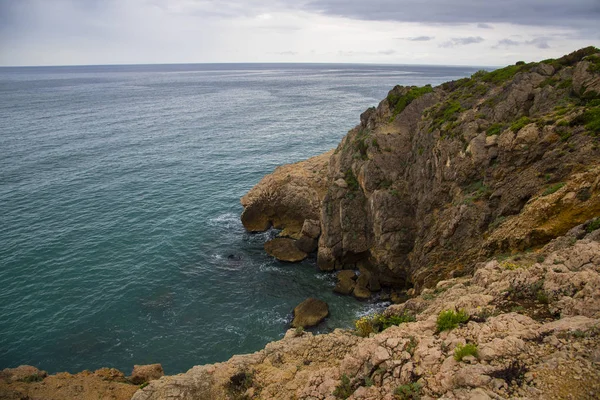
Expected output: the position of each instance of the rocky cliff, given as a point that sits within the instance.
(435, 179)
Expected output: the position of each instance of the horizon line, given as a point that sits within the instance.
(252, 62)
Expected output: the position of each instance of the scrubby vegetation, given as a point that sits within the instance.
(378, 322)
(449, 319)
(399, 102)
(344, 389)
(553, 188)
(461, 351)
(351, 180)
(239, 384)
(411, 391)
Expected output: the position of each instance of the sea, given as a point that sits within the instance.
(120, 233)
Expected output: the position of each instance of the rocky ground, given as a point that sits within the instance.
(532, 320)
(29, 383)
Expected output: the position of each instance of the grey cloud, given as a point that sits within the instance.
(525, 12)
(484, 26)
(462, 41)
(284, 53)
(387, 52)
(507, 42)
(539, 42)
(419, 38)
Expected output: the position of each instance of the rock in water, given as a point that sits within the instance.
(284, 249)
(309, 313)
(345, 282)
(146, 373)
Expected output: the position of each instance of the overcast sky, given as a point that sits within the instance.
(458, 32)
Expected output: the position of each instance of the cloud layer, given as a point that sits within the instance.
(43, 32)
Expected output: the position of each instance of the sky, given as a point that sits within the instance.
(457, 32)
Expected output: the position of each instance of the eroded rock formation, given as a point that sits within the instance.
(435, 179)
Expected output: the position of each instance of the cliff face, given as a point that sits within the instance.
(434, 179)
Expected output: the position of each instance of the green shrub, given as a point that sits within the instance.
(239, 383)
(590, 118)
(553, 189)
(411, 391)
(495, 129)
(542, 297)
(467, 350)
(592, 226)
(450, 319)
(351, 180)
(520, 123)
(502, 75)
(399, 102)
(378, 322)
(344, 389)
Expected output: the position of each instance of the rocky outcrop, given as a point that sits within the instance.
(26, 382)
(284, 249)
(287, 197)
(146, 373)
(434, 180)
(310, 313)
(532, 325)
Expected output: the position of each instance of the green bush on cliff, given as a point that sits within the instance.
(399, 102)
(590, 118)
(449, 319)
(378, 322)
(553, 189)
(495, 129)
(467, 350)
(351, 180)
(520, 123)
(592, 226)
(344, 389)
(411, 391)
(502, 75)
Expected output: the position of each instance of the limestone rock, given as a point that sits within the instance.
(284, 249)
(311, 228)
(146, 373)
(287, 197)
(25, 373)
(309, 313)
(345, 282)
(306, 244)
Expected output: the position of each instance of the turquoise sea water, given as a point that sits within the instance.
(120, 240)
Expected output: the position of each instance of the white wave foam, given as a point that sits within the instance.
(227, 220)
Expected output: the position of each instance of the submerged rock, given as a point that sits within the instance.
(309, 313)
(284, 249)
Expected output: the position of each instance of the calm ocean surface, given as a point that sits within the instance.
(119, 206)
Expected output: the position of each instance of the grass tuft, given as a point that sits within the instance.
(449, 319)
(467, 350)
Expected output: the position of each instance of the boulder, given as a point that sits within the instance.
(146, 373)
(110, 374)
(345, 282)
(309, 313)
(306, 244)
(284, 249)
(361, 292)
(311, 228)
